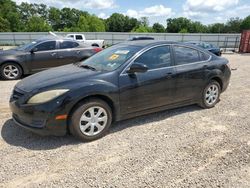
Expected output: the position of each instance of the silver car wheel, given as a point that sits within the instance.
(10, 71)
(93, 121)
(212, 94)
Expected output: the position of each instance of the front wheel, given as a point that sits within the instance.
(11, 71)
(211, 95)
(91, 120)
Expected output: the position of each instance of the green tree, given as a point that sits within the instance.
(175, 25)
(82, 24)
(158, 28)
(9, 12)
(95, 24)
(115, 23)
(55, 18)
(184, 30)
(4, 25)
(142, 29)
(245, 23)
(37, 24)
(144, 21)
(216, 28)
(197, 27)
(130, 23)
(233, 25)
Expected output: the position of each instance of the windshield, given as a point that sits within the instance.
(26, 46)
(110, 58)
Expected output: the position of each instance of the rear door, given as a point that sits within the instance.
(154, 88)
(191, 67)
(68, 52)
(44, 57)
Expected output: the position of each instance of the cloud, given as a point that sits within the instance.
(99, 4)
(209, 5)
(102, 15)
(80, 4)
(219, 11)
(157, 10)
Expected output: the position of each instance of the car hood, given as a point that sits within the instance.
(11, 52)
(60, 76)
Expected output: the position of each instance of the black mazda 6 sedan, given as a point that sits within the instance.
(126, 80)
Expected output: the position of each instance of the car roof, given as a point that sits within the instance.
(148, 43)
(47, 38)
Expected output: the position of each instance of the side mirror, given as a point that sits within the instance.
(33, 50)
(137, 67)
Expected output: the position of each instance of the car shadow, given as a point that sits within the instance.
(18, 136)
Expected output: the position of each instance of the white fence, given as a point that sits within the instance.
(221, 40)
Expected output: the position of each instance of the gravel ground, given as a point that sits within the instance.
(185, 147)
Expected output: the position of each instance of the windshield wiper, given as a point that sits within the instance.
(88, 67)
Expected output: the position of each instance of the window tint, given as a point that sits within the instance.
(45, 46)
(204, 56)
(185, 55)
(68, 44)
(156, 58)
(78, 37)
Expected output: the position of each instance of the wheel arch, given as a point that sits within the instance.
(13, 61)
(105, 98)
(95, 44)
(219, 80)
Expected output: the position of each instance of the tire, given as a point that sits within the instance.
(87, 128)
(210, 95)
(11, 71)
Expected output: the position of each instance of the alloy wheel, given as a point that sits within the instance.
(11, 71)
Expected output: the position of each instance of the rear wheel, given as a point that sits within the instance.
(11, 71)
(91, 120)
(211, 95)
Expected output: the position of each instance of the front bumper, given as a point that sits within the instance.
(39, 119)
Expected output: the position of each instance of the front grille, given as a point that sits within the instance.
(17, 94)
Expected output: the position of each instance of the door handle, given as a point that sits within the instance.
(78, 52)
(169, 75)
(205, 66)
(53, 54)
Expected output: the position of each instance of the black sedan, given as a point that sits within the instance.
(40, 55)
(210, 47)
(123, 81)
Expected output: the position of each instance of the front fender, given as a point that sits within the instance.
(95, 89)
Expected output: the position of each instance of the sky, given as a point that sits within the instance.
(205, 11)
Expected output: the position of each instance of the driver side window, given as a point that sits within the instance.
(46, 46)
(157, 57)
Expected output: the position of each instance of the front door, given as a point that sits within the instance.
(154, 88)
(44, 56)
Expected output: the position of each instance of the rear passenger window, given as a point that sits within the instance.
(184, 55)
(68, 44)
(156, 58)
(204, 56)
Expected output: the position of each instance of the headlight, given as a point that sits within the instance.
(46, 96)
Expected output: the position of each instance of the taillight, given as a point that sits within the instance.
(97, 49)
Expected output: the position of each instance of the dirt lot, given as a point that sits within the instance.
(185, 147)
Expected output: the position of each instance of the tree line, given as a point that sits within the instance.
(41, 18)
